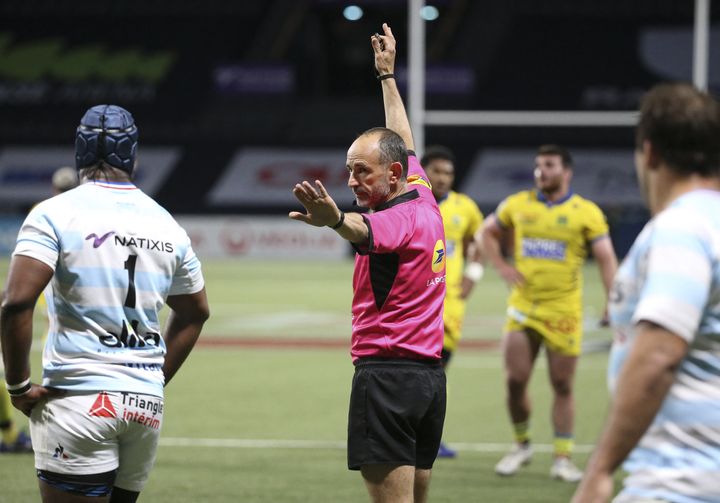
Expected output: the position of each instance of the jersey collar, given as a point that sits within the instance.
(445, 198)
(114, 185)
(402, 198)
(543, 199)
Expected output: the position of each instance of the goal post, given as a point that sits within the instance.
(421, 117)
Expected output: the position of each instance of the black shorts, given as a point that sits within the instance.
(397, 411)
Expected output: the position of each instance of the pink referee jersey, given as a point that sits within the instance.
(399, 279)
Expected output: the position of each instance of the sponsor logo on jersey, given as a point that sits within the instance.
(144, 243)
(98, 240)
(438, 260)
(131, 242)
(436, 280)
(417, 180)
(129, 337)
(543, 248)
(103, 407)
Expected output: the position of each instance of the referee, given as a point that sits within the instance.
(397, 404)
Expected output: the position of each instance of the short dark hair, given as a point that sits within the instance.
(552, 149)
(391, 145)
(683, 125)
(435, 152)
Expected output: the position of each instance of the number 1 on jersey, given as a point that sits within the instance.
(130, 266)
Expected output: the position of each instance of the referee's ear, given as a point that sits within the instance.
(396, 172)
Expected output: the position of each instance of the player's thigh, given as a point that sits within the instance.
(143, 416)
(69, 435)
(520, 348)
(75, 443)
(561, 330)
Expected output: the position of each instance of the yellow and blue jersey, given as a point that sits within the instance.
(551, 244)
(461, 219)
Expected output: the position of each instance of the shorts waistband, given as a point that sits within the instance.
(416, 362)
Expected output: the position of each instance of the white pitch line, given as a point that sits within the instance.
(251, 443)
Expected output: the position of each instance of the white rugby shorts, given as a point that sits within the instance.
(84, 433)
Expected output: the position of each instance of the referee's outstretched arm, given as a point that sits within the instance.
(395, 115)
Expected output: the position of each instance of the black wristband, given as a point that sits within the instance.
(386, 76)
(340, 222)
(19, 391)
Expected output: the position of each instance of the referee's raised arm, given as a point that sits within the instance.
(395, 115)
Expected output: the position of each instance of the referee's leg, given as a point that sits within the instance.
(388, 483)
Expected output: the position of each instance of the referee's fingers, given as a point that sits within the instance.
(375, 42)
(388, 31)
(300, 217)
(301, 194)
(321, 188)
(310, 190)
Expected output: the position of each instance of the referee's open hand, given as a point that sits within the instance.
(320, 208)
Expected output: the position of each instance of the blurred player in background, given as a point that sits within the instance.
(462, 220)
(112, 257)
(11, 439)
(664, 368)
(397, 402)
(64, 179)
(553, 229)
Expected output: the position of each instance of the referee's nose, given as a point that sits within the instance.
(352, 181)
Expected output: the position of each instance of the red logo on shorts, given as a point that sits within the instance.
(102, 407)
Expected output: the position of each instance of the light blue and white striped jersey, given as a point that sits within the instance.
(117, 255)
(671, 277)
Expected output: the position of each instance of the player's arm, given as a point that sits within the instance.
(644, 382)
(322, 211)
(474, 263)
(492, 236)
(187, 317)
(602, 250)
(27, 278)
(395, 115)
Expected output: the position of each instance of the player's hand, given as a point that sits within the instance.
(594, 488)
(512, 276)
(605, 320)
(25, 403)
(384, 49)
(320, 207)
(466, 287)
